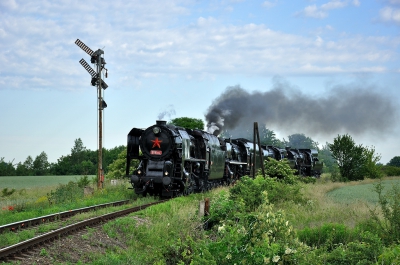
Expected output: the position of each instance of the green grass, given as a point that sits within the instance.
(29, 182)
(33, 202)
(362, 192)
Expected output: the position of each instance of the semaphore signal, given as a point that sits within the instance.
(96, 58)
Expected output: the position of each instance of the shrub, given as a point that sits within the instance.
(5, 192)
(278, 169)
(390, 255)
(389, 227)
(83, 182)
(65, 193)
(186, 250)
(390, 171)
(364, 251)
(328, 235)
(255, 238)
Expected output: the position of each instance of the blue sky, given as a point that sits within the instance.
(179, 56)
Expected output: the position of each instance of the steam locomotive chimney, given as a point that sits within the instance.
(161, 123)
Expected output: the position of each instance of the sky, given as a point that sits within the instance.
(322, 68)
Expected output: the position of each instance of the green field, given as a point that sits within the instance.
(28, 182)
(362, 192)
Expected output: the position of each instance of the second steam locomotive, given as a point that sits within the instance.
(177, 160)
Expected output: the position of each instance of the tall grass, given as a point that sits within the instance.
(42, 201)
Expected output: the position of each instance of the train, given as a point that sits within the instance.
(177, 161)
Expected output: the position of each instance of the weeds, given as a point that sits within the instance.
(389, 227)
(6, 192)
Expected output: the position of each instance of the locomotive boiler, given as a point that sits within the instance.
(179, 161)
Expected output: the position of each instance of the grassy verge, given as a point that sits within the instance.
(47, 200)
(303, 225)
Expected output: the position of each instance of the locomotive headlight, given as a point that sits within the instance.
(139, 172)
(166, 173)
(156, 130)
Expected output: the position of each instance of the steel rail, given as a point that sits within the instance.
(54, 217)
(9, 251)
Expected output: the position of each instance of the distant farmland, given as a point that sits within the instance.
(27, 182)
(362, 192)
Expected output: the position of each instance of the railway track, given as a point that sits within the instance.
(23, 249)
(16, 226)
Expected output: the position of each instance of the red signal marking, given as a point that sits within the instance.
(156, 142)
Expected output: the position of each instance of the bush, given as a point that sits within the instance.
(83, 182)
(328, 235)
(364, 251)
(389, 227)
(390, 171)
(390, 255)
(6, 192)
(66, 193)
(255, 238)
(278, 169)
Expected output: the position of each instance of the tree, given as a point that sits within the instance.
(299, 140)
(325, 155)
(117, 169)
(268, 137)
(27, 167)
(395, 161)
(41, 165)
(6, 169)
(189, 123)
(354, 161)
(78, 152)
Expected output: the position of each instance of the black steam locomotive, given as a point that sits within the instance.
(177, 160)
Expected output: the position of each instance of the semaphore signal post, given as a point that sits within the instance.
(96, 58)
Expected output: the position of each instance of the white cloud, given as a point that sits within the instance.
(390, 14)
(9, 4)
(150, 43)
(356, 2)
(269, 4)
(322, 11)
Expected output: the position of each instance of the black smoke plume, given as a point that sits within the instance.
(344, 109)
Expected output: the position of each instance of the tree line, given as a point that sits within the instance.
(344, 159)
(81, 161)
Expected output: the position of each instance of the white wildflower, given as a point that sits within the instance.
(276, 259)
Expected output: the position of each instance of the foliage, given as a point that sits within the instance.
(389, 227)
(255, 238)
(362, 251)
(299, 140)
(325, 156)
(83, 182)
(189, 123)
(249, 192)
(65, 193)
(6, 192)
(41, 165)
(117, 169)
(390, 255)
(6, 169)
(390, 171)
(185, 250)
(279, 169)
(354, 161)
(395, 161)
(328, 235)
(267, 136)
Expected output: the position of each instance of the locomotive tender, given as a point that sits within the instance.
(177, 160)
